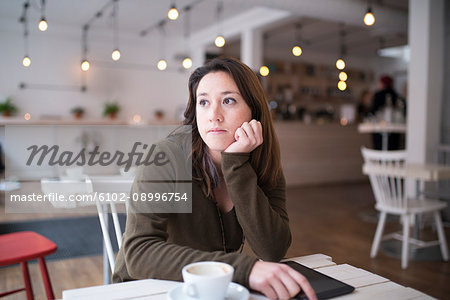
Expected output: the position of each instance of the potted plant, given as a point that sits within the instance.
(111, 110)
(7, 108)
(77, 112)
(159, 115)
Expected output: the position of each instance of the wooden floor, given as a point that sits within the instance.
(325, 219)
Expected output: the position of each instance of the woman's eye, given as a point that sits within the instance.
(203, 102)
(229, 100)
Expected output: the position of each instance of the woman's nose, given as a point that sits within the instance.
(216, 113)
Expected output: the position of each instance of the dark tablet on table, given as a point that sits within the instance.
(324, 286)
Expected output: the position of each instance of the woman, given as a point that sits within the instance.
(238, 191)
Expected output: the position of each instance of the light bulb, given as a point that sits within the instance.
(173, 14)
(85, 65)
(187, 63)
(264, 71)
(369, 18)
(220, 41)
(26, 61)
(342, 85)
(340, 64)
(115, 55)
(137, 118)
(343, 76)
(162, 65)
(43, 25)
(297, 51)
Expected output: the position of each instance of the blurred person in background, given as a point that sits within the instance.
(389, 107)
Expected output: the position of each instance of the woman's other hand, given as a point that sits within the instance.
(248, 137)
(279, 281)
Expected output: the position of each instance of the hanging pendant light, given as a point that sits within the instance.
(264, 71)
(26, 61)
(43, 25)
(173, 13)
(296, 49)
(220, 40)
(369, 18)
(115, 54)
(85, 65)
(187, 61)
(162, 63)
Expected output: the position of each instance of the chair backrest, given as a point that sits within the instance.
(102, 209)
(387, 184)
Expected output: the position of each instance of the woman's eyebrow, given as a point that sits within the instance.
(230, 92)
(223, 93)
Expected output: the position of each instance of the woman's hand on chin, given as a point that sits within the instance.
(248, 137)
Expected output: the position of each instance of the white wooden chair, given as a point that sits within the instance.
(391, 198)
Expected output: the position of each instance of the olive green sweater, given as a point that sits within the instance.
(158, 245)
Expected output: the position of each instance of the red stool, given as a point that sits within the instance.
(20, 247)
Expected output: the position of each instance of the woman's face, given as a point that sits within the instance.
(220, 110)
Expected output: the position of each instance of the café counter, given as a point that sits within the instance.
(321, 153)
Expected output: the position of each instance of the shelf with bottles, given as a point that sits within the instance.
(296, 82)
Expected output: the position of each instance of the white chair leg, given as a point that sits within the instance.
(405, 242)
(441, 235)
(378, 235)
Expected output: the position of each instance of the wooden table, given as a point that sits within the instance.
(368, 285)
(383, 128)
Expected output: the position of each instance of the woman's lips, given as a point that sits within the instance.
(216, 131)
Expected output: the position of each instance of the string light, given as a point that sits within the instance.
(26, 61)
(187, 63)
(264, 71)
(162, 65)
(85, 65)
(297, 50)
(43, 25)
(343, 76)
(220, 41)
(369, 18)
(342, 85)
(115, 55)
(173, 13)
(340, 64)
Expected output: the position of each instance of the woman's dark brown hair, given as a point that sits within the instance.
(265, 159)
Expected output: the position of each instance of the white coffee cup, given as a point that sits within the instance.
(207, 280)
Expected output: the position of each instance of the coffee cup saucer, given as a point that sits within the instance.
(234, 292)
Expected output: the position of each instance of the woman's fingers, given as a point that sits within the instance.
(289, 282)
(248, 137)
(249, 131)
(279, 281)
(279, 287)
(257, 130)
(304, 284)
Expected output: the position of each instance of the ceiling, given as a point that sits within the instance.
(321, 20)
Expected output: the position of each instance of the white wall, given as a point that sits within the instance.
(134, 81)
